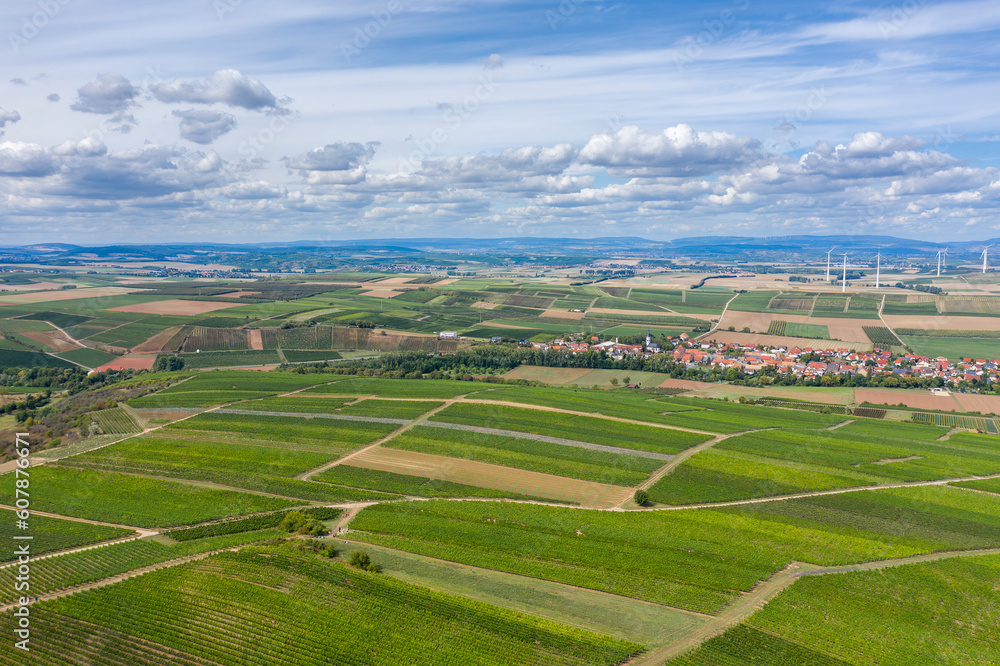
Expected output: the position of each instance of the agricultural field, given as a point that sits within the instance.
(53, 534)
(696, 560)
(505, 516)
(922, 613)
(132, 500)
(375, 619)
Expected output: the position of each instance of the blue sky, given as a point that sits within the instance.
(246, 120)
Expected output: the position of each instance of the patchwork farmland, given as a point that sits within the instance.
(738, 502)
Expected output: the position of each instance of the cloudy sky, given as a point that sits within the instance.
(249, 120)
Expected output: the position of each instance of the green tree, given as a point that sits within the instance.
(641, 497)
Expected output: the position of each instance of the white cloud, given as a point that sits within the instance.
(341, 156)
(227, 86)
(204, 126)
(676, 151)
(108, 94)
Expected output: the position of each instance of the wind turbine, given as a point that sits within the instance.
(878, 268)
(843, 284)
(940, 256)
(828, 262)
(985, 256)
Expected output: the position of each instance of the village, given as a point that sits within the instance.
(805, 362)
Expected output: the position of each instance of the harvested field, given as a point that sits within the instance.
(175, 307)
(826, 396)
(757, 321)
(64, 295)
(548, 375)
(485, 475)
(785, 341)
(914, 399)
(484, 305)
(686, 384)
(644, 313)
(392, 282)
(56, 340)
(845, 329)
(129, 362)
(946, 322)
(381, 293)
(256, 340)
(158, 342)
(985, 404)
(562, 314)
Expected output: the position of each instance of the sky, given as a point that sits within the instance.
(247, 120)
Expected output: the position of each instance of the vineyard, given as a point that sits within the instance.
(51, 534)
(116, 421)
(216, 339)
(880, 335)
(277, 606)
(777, 327)
(982, 424)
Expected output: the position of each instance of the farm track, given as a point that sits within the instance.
(306, 476)
(721, 317)
(745, 606)
(595, 415)
(142, 533)
(684, 455)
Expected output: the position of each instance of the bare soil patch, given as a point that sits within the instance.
(484, 305)
(129, 362)
(176, 307)
(562, 314)
(985, 404)
(946, 322)
(64, 295)
(917, 400)
(548, 375)
(157, 342)
(256, 339)
(785, 341)
(485, 475)
(381, 293)
(757, 321)
(55, 339)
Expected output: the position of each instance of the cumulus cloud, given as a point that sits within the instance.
(25, 159)
(227, 86)
(108, 94)
(341, 156)
(260, 189)
(204, 126)
(88, 147)
(8, 117)
(676, 151)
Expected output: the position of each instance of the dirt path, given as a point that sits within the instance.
(517, 434)
(841, 424)
(818, 493)
(305, 476)
(746, 605)
(721, 317)
(120, 577)
(736, 612)
(684, 455)
(114, 542)
(594, 415)
(311, 415)
(79, 520)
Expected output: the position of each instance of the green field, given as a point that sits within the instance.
(334, 436)
(278, 606)
(955, 348)
(91, 358)
(132, 500)
(936, 612)
(529, 454)
(570, 426)
(398, 388)
(696, 560)
(50, 534)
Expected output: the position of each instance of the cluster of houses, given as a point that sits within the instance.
(803, 362)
